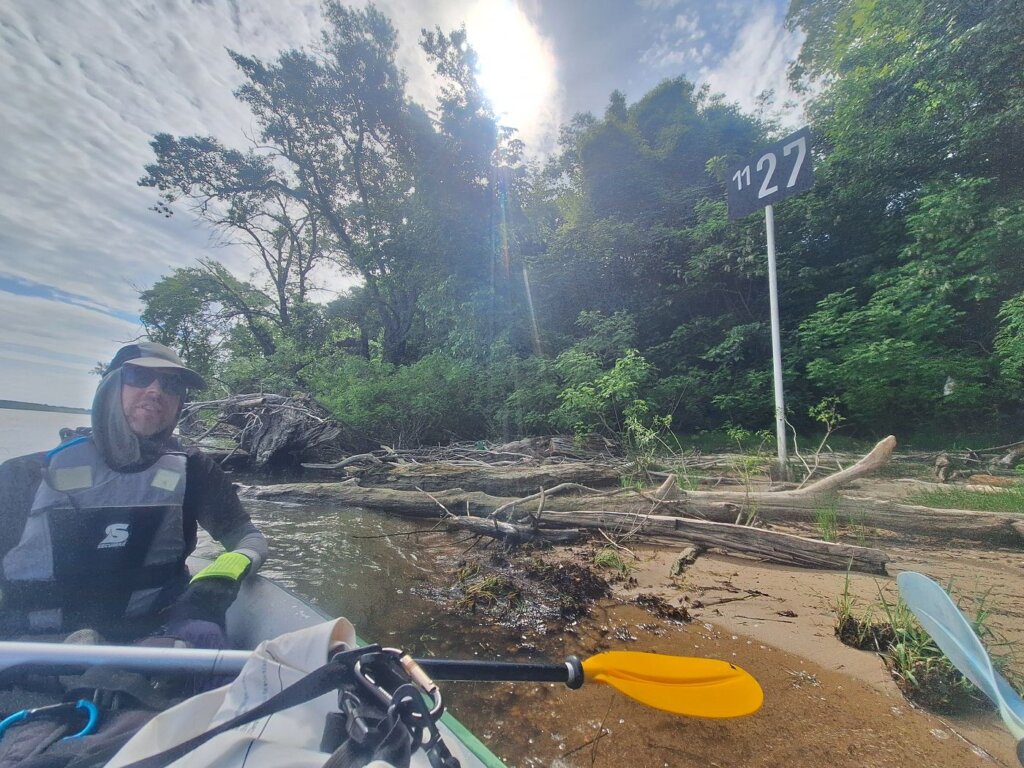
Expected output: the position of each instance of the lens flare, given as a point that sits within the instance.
(516, 66)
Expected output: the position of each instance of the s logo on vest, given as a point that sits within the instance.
(117, 536)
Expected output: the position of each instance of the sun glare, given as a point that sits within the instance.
(517, 70)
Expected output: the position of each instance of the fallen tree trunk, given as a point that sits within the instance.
(873, 461)
(773, 546)
(516, 480)
(795, 506)
(472, 507)
(409, 503)
(990, 527)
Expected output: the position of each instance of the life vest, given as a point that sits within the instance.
(99, 545)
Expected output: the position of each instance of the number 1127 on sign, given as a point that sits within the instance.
(778, 171)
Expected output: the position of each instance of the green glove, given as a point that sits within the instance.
(230, 565)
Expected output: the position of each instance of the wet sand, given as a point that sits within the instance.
(825, 703)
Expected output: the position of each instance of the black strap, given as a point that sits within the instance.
(112, 688)
(370, 734)
(318, 682)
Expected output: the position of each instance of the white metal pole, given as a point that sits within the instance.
(773, 291)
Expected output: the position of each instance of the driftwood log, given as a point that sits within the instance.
(271, 431)
(665, 514)
(773, 546)
(469, 507)
(768, 545)
(517, 480)
(870, 513)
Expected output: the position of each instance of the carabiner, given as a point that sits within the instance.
(64, 708)
(411, 669)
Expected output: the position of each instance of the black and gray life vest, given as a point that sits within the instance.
(99, 545)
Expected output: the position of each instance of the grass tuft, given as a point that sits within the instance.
(826, 517)
(610, 559)
(1008, 501)
(924, 674)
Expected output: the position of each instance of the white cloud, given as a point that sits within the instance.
(85, 86)
(49, 347)
(688, 25)
(760, 55)
(658, 5)
(675, 45)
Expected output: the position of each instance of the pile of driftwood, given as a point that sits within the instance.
(574, 498)
(558, 489)
(983, 463)
(263, 433)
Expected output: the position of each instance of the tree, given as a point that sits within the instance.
(330, 175)
(912, 231)
(635, 221)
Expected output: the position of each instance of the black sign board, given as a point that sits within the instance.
(778, 171)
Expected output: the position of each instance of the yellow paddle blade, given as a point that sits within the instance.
(678, 684)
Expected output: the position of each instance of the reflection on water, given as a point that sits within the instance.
(355, 563)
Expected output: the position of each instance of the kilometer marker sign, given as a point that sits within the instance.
(778, 171)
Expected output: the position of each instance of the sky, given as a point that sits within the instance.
(86, 84)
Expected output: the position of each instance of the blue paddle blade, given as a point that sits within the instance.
(1011, 698)
(955, 637)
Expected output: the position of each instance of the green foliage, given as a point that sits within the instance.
(647, 438)
(346, 170)
(527, 408)
(899, 271)
(1009, 344)
(429, 401)
(598, 400)
(827, 413)
(826, 517)
(914, 218)
(920, 668)
(610, 559)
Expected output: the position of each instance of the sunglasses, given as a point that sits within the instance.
(136, 376)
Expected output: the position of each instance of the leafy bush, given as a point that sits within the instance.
(603, 402)
(534, 386)
(433, 400)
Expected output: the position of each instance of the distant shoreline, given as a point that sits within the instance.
(17, 405)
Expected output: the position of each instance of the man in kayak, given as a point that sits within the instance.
(95, 533)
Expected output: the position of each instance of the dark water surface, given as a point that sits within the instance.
(358, 564)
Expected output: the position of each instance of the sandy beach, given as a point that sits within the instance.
(825, 703)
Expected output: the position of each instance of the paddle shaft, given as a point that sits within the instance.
(570, 673)
(211, 662)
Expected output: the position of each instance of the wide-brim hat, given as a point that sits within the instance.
(150, 354)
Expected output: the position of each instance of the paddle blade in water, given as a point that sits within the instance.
(678, 684)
